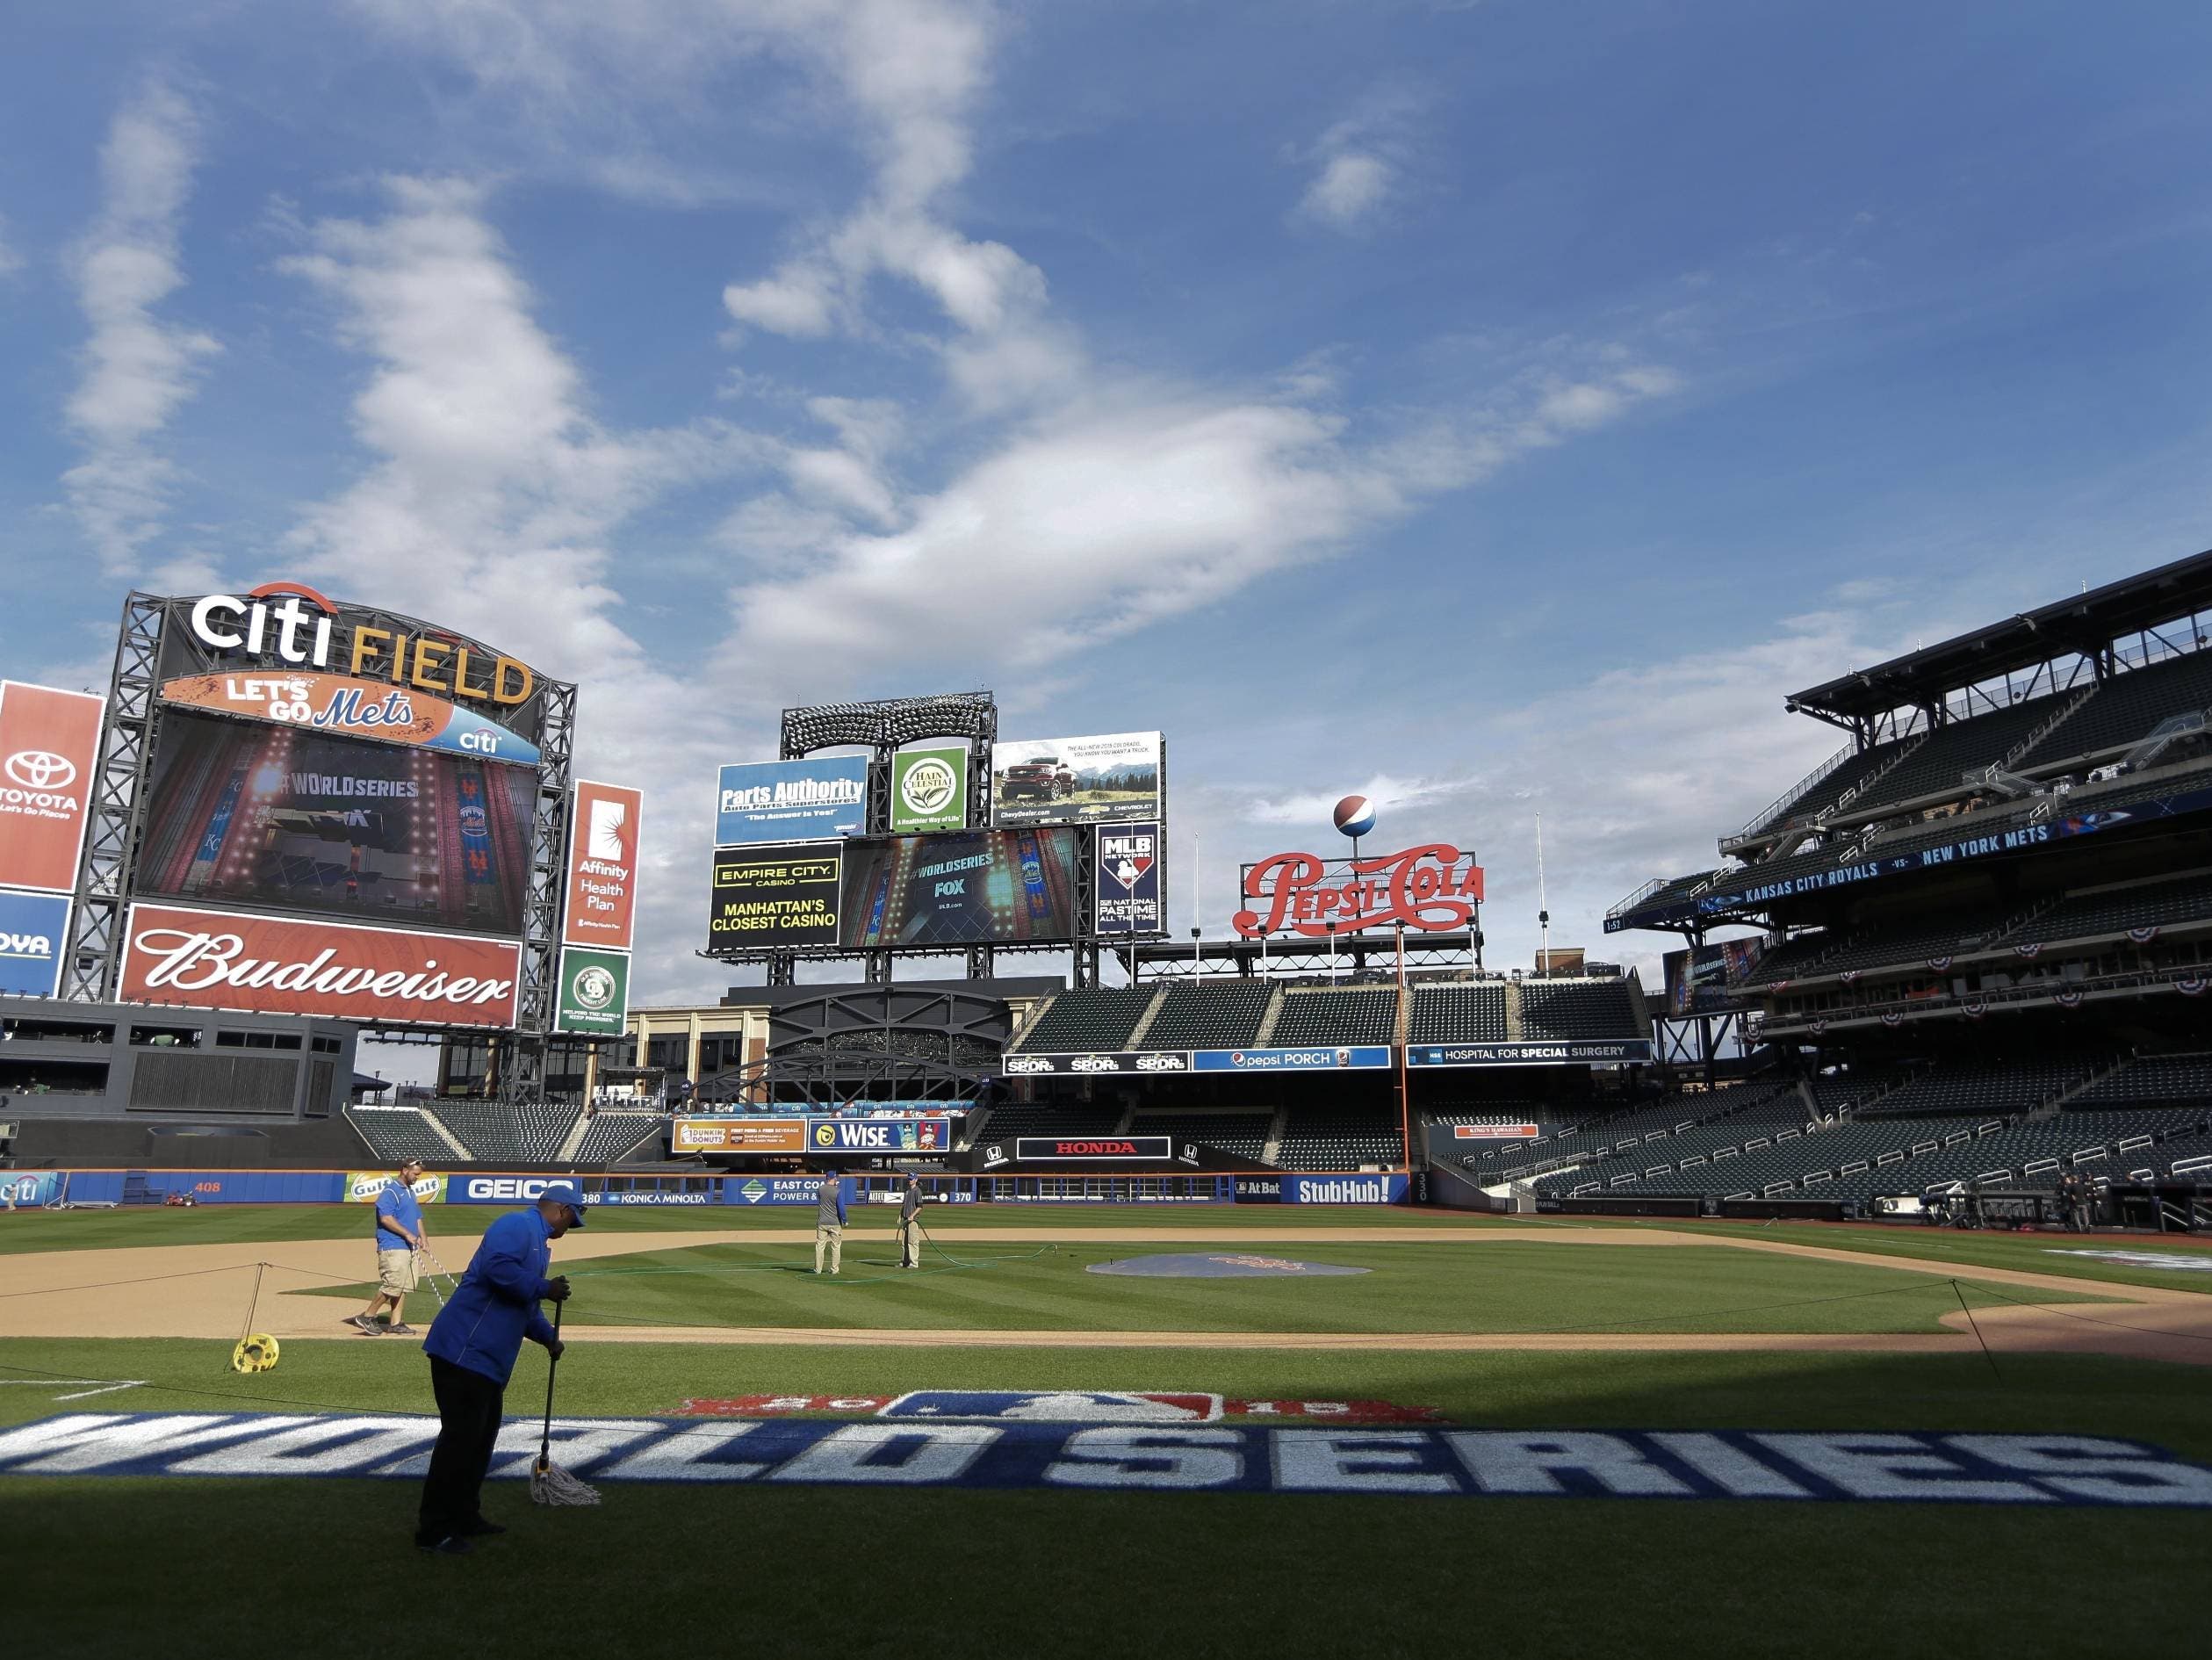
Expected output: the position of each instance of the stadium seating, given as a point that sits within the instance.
(2150, 1079)
(394, 1133)
(2006, 1087)
(1825, 791)
(1952, 751)
(1088, 1022)
(610, 1136)
(2116, 911)
(1790, 958)
(1847, 1090)
(1243, 1134)
(1363, 1017)
(2125, 708)
(1201, 1015)
(1339, 1140)
(1576, 1010)
(1470, 1013)
(1025, 1118)
(1887, 946)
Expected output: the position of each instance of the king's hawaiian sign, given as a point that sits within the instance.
(1433, 887)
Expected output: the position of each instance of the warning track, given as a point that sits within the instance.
(202, 1291)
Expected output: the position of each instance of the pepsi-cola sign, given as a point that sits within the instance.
(1434, 887)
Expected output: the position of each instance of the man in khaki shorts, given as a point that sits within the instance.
(829, 1222)
(399, 1235)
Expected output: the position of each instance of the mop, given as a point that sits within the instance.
(549, 1483)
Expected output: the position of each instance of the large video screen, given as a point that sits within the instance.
(247, 813)
(973, 887)
(976, 887)
(1702, 980)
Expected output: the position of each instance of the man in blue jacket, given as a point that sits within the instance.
(472, 1345)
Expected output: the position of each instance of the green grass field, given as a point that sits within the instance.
(200, 1566)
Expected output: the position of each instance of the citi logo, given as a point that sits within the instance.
(215, 620)
(41, 769)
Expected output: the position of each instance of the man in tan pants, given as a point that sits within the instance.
(829, 1222)
(910, 1224)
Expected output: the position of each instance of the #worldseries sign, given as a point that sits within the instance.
(1881, 1466)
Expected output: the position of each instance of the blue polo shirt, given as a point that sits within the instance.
(398, 1203)
(495, 1306)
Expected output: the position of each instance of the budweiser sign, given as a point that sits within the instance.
(278, 965)
(1433, 887)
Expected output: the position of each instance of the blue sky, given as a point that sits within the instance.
(1495, 408)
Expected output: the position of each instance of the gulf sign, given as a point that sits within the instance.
(351, 707)
(602, 866)
(284, 966)
(49, 749)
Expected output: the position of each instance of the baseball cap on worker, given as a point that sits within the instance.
(564, 1193)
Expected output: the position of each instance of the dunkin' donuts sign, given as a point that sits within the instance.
(280, 965)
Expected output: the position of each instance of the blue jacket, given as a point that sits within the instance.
(495, 1306)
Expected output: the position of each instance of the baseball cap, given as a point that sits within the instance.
(565, 1193)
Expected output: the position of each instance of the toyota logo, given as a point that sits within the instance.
(41, 769)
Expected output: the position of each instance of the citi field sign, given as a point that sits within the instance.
(299, 632)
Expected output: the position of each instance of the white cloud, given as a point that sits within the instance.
(139, 369)
(492, 499)
(1359, 165)
(1349, 188)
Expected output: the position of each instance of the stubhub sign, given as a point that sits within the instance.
(1387, 1189)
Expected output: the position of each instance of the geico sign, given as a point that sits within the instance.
(293, 624)
(504, 1186)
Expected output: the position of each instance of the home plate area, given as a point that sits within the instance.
(1198, 1265)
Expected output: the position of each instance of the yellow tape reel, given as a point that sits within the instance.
(254, 1354)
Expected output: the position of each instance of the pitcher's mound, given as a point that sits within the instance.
(1193, 1266)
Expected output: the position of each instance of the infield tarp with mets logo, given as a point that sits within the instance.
(2040, 1469)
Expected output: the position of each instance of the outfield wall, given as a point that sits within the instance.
(35, 1188)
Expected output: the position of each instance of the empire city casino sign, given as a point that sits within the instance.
(1434, 887)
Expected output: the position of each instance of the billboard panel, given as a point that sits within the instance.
(791, 800)
(289, 965)
(1127, 880)
(978, 887)
(929, 789)
(776, 896)
(1701, 980)
(347, 706)
(593, 999)
(739, 1135)
(49, 749)
(1109, 779)
(276, 816)
(34, 931)
(602, 866)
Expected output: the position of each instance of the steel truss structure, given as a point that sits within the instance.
(881, 1043)
(882, 727)
(156, 642)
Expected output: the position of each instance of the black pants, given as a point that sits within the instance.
(469, 1410)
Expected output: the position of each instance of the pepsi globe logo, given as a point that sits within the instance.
(1355, 816)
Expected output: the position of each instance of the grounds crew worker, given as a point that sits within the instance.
(910, 1224)
(472, 1345)
(399, 1235)
(829, 1222)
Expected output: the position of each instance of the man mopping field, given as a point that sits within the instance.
(400, 1233)
(472, 1345)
